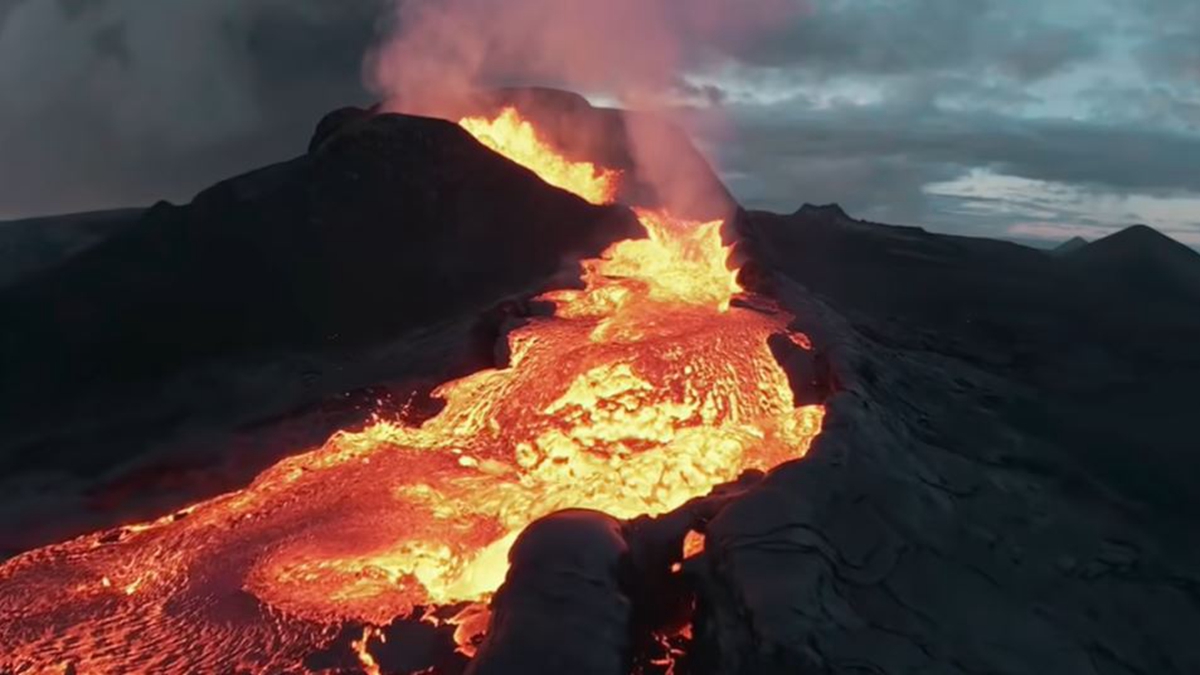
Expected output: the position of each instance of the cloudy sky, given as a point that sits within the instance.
(1019, 118)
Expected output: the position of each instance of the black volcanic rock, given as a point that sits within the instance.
(889, 269)
(1100, 342)
(573, 562)
(34, 244)
(1004, 479)
(335, 122)
(927, 532)
(393, 222)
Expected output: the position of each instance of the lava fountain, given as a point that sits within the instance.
(646, 388)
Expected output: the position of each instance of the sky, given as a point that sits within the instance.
(1037, 120)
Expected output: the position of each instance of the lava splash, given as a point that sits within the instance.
(646, 388)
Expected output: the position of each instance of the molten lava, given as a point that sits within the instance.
(512, 136)
(643, 390)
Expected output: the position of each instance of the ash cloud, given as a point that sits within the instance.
(638, 52)
(634, 50)
(926, 36)
(112, 103)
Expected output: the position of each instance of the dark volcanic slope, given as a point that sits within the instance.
(1103, 342)
(928, 532)
(1005, 479)
(31, 245)
(391, 223)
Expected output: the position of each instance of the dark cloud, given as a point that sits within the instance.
(908, 36)
(1117, 158)
(1092, 102)
(122, 102)
(1175, 54)
(877, 159)
(1168, 51)
(866, 102)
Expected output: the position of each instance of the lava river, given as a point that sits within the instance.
(642, 390)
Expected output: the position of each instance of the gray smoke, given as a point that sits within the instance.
(121, 102)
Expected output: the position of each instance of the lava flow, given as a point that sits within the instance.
(512, 136)
(644, 389)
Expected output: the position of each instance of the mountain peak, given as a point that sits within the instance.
(1069, 246)
(1140, 232)
(1141, 238)
(832, 210)
(1140, 254)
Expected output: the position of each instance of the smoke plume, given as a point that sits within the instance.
(115, 103)
(637, 52)
(631, 49)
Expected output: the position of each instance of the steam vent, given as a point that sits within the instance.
(628, 427)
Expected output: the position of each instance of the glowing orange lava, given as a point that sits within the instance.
(512, 136)
(360, 646)
(643, 390)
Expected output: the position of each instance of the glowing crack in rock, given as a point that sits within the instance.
(643, 390)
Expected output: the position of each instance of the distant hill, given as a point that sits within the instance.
(1070, 245)
(1141, 257)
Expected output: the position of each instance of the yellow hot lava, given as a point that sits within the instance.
(637, 395)
(643, 390)
(511, 135)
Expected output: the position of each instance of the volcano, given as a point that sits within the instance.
(724, 442)
(634, 394)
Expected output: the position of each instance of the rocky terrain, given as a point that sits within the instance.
(1003, 486)
(932, 530)
(33, 244)
(1100, 341)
